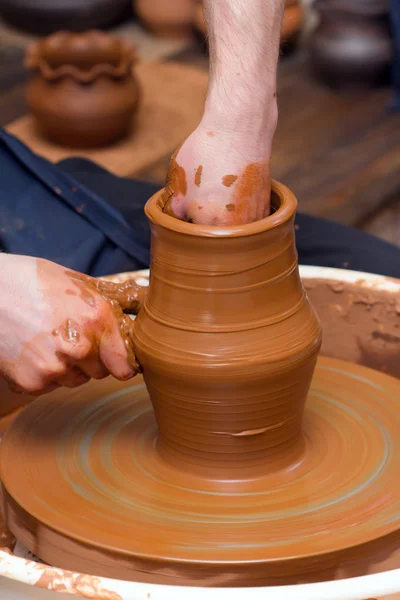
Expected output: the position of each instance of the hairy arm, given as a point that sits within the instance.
(220, 175)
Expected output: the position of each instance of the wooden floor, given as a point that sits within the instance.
(339, 152)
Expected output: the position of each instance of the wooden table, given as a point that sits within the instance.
(171, 105)
(339, 152)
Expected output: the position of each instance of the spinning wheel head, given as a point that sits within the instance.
(85, 488)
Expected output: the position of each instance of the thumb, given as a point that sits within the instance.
(116, 350)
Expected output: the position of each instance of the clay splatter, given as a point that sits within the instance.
(176, 185)
(229, 180)
(177, 178)
(197, 177)
(251, 193)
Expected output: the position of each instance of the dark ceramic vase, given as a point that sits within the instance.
(48, 16)
(352, 45)
(83, 92)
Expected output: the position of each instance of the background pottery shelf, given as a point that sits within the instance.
(339, 152)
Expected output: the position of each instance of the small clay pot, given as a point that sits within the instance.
(291, 23)
(83, 92)
(352, 45)
(227, 339)
(166, 18)
(199, 18)
(48, 16)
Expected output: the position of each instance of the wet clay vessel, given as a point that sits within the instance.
(224, 327)
(83, 92)
(228, 481)
(166, 18)
(352, 45)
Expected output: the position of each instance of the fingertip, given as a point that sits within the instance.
(126, 376)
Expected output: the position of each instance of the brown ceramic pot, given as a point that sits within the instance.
(292, 21)
(166, 18)
(47, 16)
(83, 92)
(227, 339)
(352, 44)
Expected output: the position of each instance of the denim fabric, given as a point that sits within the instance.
(83, 217)
(46, 212)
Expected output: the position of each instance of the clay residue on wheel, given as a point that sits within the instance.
(360, 324)
(85, 586)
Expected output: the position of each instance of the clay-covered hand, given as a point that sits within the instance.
(220, 176)
(61, 328)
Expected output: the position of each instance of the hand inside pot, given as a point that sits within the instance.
(221, 173)
(61, 328)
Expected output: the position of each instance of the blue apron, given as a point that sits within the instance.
(45, 212)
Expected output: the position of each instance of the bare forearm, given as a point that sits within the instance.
(244, 47)
(226, 160)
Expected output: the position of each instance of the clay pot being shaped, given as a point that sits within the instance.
(291, 23)
(352, 44)
(83, 92)
(227, 340)
(48, 16)
(166, 18)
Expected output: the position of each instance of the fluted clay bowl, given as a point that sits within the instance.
(83, 92)
(360, 316)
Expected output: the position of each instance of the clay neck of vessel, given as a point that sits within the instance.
(237, 271)
(224, 296)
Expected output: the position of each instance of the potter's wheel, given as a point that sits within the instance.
(86, 489)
